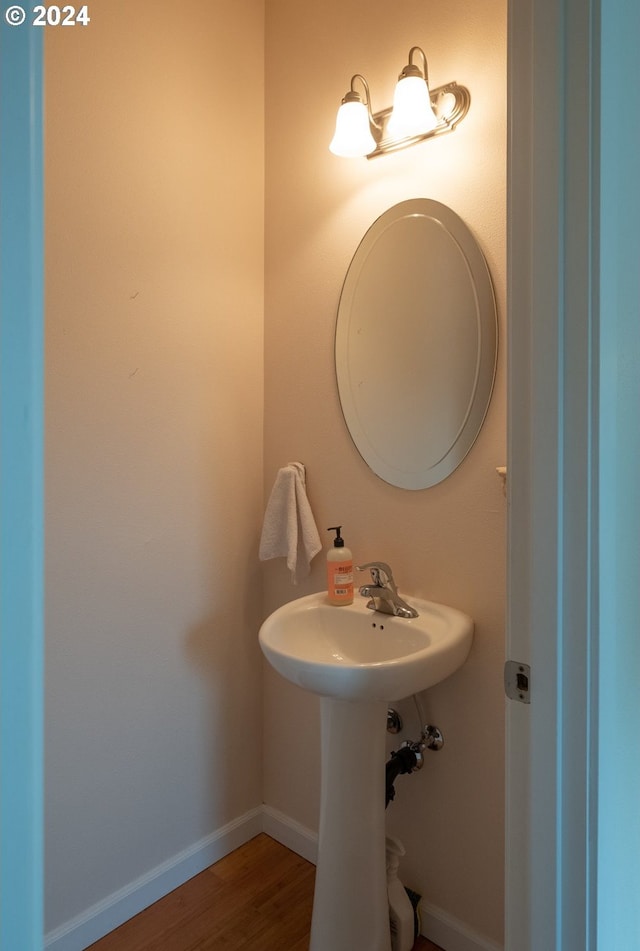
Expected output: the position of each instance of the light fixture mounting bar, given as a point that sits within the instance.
(450, 104)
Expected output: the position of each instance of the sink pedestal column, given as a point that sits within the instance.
(350, 907)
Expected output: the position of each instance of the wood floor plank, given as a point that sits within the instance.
(258, 897)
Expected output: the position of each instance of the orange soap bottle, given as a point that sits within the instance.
(339, 571)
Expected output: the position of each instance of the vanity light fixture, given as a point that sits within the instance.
(353, 124)
(412, 112)
(417, 113)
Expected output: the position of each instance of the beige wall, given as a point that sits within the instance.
(446, 543)
(154, 204)
(154, 305)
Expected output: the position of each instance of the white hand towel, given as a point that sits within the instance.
(289, 529)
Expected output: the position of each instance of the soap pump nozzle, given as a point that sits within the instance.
(339, 540)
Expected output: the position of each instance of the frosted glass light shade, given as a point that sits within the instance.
(412, 112)
(352, 137)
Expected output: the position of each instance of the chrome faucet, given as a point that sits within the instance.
(383, 592)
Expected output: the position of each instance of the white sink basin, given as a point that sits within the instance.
(353, 653)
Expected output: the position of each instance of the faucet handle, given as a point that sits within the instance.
(381, 573)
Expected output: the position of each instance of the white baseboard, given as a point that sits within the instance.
(103, 917)
(450, 933)
(290, 833)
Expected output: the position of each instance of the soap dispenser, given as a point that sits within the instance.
(339, 571)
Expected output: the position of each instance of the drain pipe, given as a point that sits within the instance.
(404, 761)
(409, 757)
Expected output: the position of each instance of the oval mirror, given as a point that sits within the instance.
(416, 343)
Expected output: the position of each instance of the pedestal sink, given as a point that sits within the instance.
(358, 660)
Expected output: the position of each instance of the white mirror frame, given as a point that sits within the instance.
(416, 344)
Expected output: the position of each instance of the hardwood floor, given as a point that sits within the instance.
(258, 897)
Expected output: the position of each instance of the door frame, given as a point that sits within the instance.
(21, 474)
(552, 622)
(574, 453)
